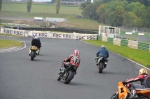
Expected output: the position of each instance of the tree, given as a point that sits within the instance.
(57, 2)
(0, 5)
(29, 5)
(145, 2)
(129, 19)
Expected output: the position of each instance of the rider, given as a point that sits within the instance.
(35, 36)
(103, 52)
(142, 77)
(73, 59)
(36, 42)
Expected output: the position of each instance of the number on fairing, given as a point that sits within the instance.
(75, 59)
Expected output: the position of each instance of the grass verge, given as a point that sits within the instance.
(9, 43)
(139, 56)
(9, 35)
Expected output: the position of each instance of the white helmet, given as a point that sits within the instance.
(36, 37)
(103, 45)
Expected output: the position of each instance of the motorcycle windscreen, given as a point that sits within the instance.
(122, 90)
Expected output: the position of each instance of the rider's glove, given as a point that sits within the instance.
(124, 82)
(64, 61)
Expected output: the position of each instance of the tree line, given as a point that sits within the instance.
(126, 13)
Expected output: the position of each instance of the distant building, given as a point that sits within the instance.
(73, 2)
(16, 0)
(19, 0)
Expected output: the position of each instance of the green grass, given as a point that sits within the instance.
(39, 7)
(18, 10)
(10, 35)
(9, 43)
(142, 57)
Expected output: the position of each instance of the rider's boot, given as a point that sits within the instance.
(29, 52)
(105, 65)
(132, 94)
(62, 70)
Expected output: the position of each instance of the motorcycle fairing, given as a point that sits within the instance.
(144, 92)
(122, 90)
(34, 48)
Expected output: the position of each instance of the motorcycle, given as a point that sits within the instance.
(101, 63)
(33, 51)
(124, 93)
(67, 73)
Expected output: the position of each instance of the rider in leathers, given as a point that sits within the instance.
(36, 42)
(143, 78)
(73, 59)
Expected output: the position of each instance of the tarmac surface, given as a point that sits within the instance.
(21, 78)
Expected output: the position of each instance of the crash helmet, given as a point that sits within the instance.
(76, 52)
(103, 46)
(143, 71)
(36, 37)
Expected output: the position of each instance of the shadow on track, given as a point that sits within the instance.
(109, 73)
(74, 84)
(40, 60)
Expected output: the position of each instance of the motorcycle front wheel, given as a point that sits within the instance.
(69, 77)
(114, 96)
(59, 77)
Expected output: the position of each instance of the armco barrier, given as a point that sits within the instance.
(48, 34)
(62, 29)
(125, 42)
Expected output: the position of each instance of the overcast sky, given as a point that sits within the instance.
(42, 0)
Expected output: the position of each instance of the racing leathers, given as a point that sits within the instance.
(36, 42)
(39, 41)
(71, 60)
(144, 80)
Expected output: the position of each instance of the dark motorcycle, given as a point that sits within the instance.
(67, 73)
(102, 62)
(33, 52)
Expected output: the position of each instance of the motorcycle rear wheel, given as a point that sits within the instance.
(143, 98)
(32, 55)
(101, 67)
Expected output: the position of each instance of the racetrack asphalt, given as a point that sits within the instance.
(21, 78)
